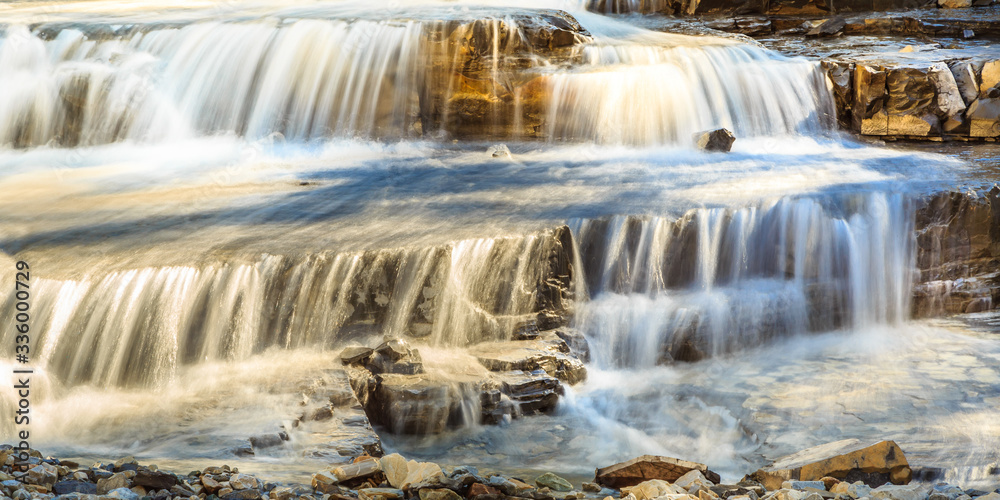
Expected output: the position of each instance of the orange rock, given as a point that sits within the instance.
(836, 460)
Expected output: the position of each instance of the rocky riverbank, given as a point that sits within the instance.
(843, 470)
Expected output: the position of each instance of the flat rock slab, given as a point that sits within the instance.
(648, 467)
(849, 459)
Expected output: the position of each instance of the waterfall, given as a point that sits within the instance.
(137, 327)
(717, 280)
(313, 79)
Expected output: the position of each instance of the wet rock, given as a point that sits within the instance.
(840, 459)
(67, 487)
(576, 341)
(532, 392)
(547, 352)
(720, 140)
(646, 467)
(356, 355)
(553, 482)
(268, 440)
(154, 479)
(840, 75)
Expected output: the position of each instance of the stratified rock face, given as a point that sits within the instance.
(850, 460)
(958, 254)
(649, 467)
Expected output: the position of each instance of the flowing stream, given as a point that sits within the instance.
(216, 197)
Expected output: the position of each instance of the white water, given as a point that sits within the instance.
(187, 284)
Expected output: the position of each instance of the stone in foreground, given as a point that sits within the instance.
(648, 467)
(715, 140)
(849, 460)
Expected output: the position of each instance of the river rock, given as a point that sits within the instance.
(694, 478)
(553, 482)
(720, 140)
(874, 464)
(67, 487)
(900, 492)
(240, 494)
(117, 480)
(42, 474)
(438, 494)
(242, 482)
(123, 493)
(154, 479)
(363, 468)
(646, 467)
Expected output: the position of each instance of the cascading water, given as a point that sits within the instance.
(218, 207)
(723, 279)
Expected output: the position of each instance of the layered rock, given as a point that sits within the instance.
(958, 254)
(934, 101)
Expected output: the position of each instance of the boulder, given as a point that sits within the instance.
(874, 464)
(715, 140)
(553, 482)
(646, 467)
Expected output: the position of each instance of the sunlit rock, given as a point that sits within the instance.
(873, 464)
(869, 109)
(646, 467)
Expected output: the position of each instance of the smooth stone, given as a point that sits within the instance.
(438, 494)
(114, 482)
(395, 468)
(553, 482)
(242, 482)
(380, 493)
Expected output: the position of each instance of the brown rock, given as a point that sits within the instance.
(869, 114)
(646, 467)
(829, 482)
(984, 117)
(877, 462)
(989, 77)
(910, 97)
(481, 489)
